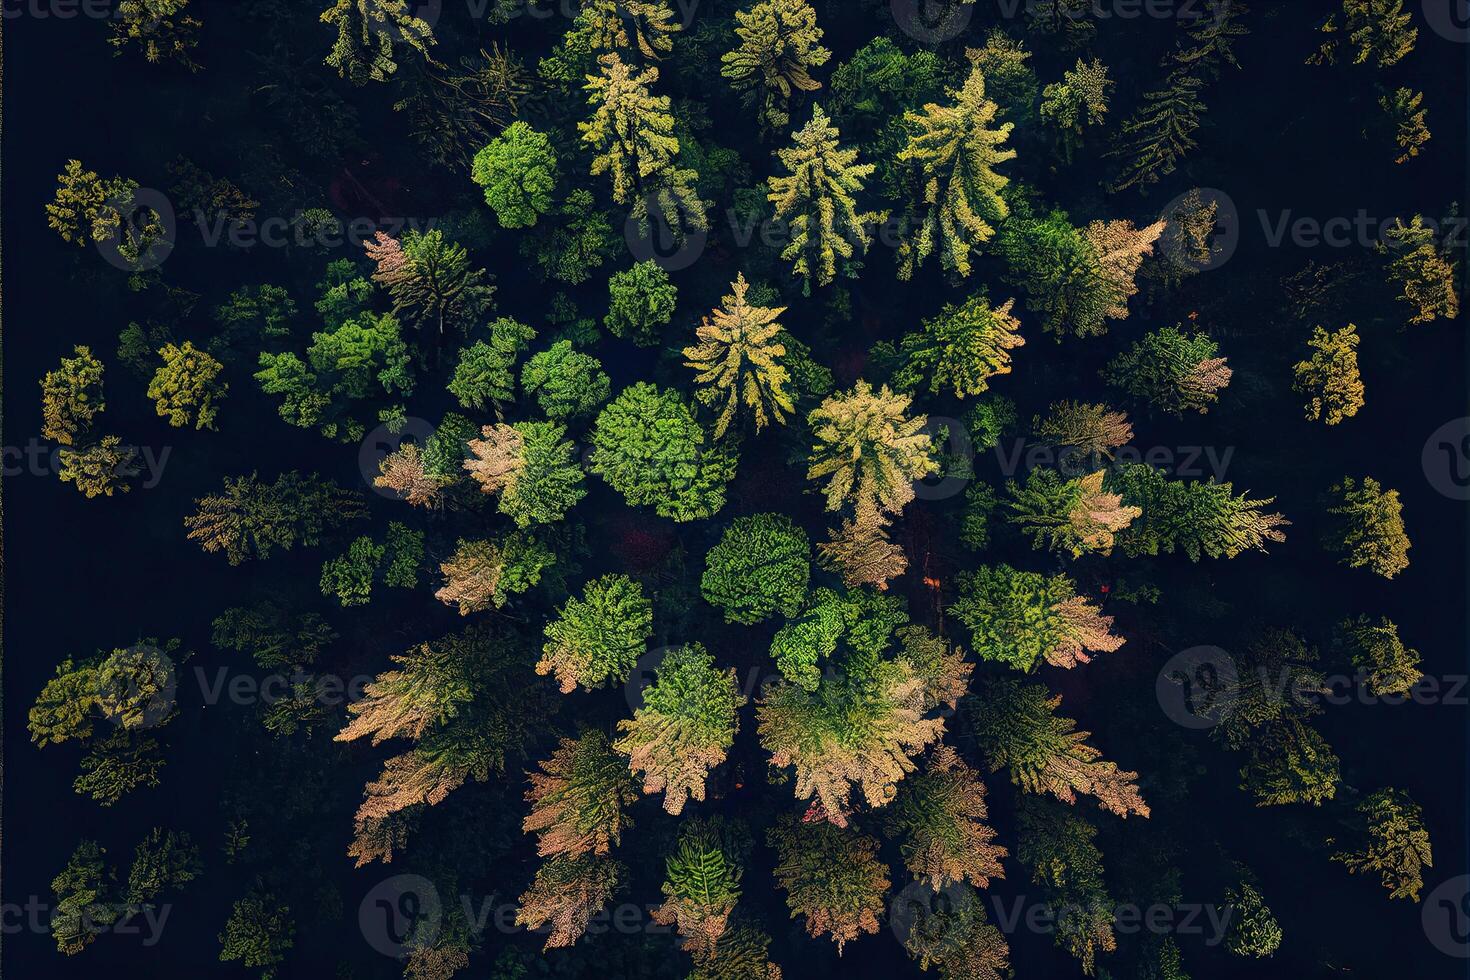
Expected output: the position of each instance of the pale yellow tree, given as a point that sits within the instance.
(738, 360)
(869, 449)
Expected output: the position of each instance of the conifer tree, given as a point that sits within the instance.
(1290, 762)
(1079, 100)
(1366, 528)
(1379, 656)
(1017, 728)
(566, 893)
(187, 387)
(702, 883)
(578, 797)
(366, 33)
(404, 472)
(484, 573)
(86, 902)
(1198, 518)
(941, 817)
(1058, 846)
(1023, 618)
(954, 150)
(250, 518)
(1254, 930)
(862, 552)
(685, 727)
(533, 468)
(954, 934)
(743, 954)
(1404, 112)
(832, 876)
(780, 44)
(645, 26)
(818, 201)
(1160, 132)
(1093, 429)
(1424, 270)
(1075, 517)
(870, 448)
(1379, 31)
(431, 280)
(1175, 372)
(1397, 846)
(962, 347)
(162, 29)
(71, 397)
(1330, 376)
(740, 362)
(598, 638)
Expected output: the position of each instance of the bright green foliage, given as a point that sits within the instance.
(484, 573)
(345, 293)
(597, 639)
(954, 150)
(811, 637)
(1330, 376)
(85, 899)
(350, 577)
(270, 636)
(576, 242)
(760, 567)
(1397, 846)
(1017, 727)
(403, 554)
(870, 448)
(71, 397)
(685, 726)
(1058, 846)
(640, 301)
(485, 374)
(1366, 527)
(962, 347)
(250, 518)
(518, 171)
(1423, 270)
(1290, 762)
(780, 43)
(1160, 132)
(163, 861)
(1074, 517)
(1380, 31)
(187, 387)
(1022, 618)
(739, 360)
(1198, 518)
(446, 449)
(258, 933)
(431, 281)
(565, 382)
(702, 883)
(1009, 80)
(831, 875)
(818, 201)
(1080, 99)
(533, 468)
(648, 446)
(1254, 931)
(1174, 371)
(366, 33)
(1380, 657)
(578, 798)
(1405, 113)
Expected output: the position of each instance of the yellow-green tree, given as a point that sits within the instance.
(186, 387)
(869, 449)
(780, 43)
(1329, 378)
(366, 33)
(739, 362)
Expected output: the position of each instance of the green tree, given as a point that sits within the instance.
(1290, 762)
(163, 861)
(565, 382)
(576, 242)
(485, 375)
(366, 33)
(702, 883)
(1160, 133)
(832, 876)
(1380, 657)
(940, 816)
(250, 518)
(739, 360)
(1405, 113)
(258, 933)
(1074, 517)
(685, 726)
(780, 44)
(578, 797)
(641, 301)
(598, 639)
(953, 150)
(1174, 371)
(532, 467)
(870, 448)
(760, 567)
(648, 446)
(431, 280)
(518, 171)
(818, 201)
(1423, 270)
(1330, 376)
(962, 347)
(187, 387)
(1254, 931)
(1023, 618)
(1198, 518)
(1093, 429)
(1366, 527)
(1079, 100)
(71, 397)
(1379, 31)
(350, 577)
(1059, 847)
(1397, 844)
(85, 900)
(481, 574)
